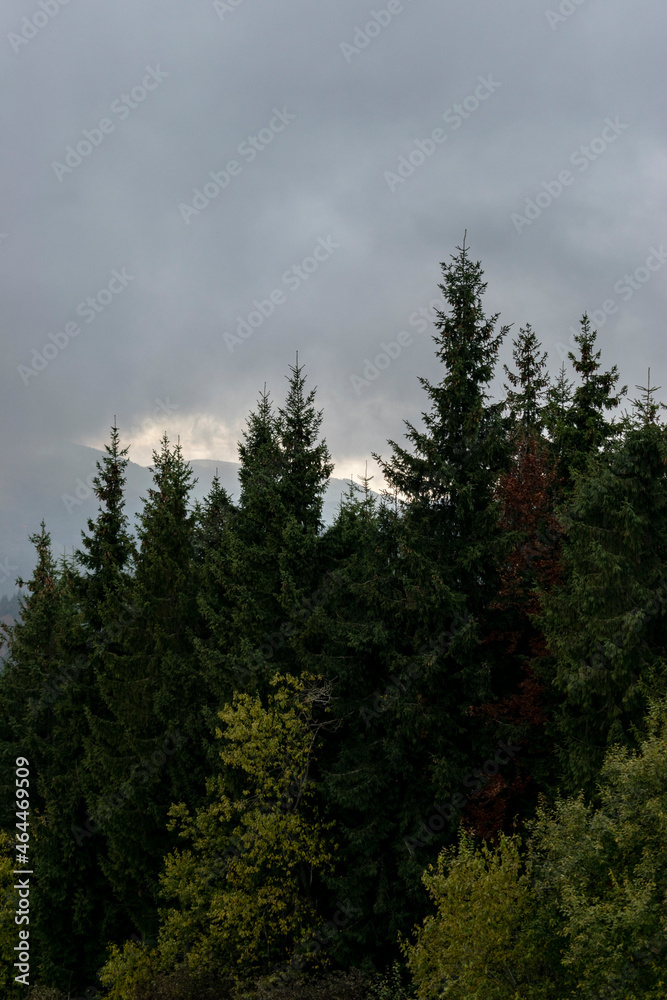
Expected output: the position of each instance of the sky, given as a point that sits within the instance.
(193, 192)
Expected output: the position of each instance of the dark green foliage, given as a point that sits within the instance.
(606, 624)
(109, 549)
(508, 588)
(524, 401)
(44, 691)
(400, 639)
(146, 745)
(582, 428)
(306, 464)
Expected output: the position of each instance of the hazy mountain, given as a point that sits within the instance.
(56, 485)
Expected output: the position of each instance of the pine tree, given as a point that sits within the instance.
(555, 415)
(260, 525)
(260, 472)
(272, 553)
(521, 703)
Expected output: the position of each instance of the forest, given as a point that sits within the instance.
(419, 753)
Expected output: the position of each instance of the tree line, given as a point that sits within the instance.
(425, 745)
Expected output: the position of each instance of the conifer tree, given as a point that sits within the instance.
(44, 691)
(260, 523)
(148, 749)
(583, 429)
(273, 550)
(220, 593)
(605, 623)
(401, 641)
(306, 464)
(108, 550)
(527, 493)
(554, 415)
(448, 476)
(524, 400)
(305, 471)
(260, 472)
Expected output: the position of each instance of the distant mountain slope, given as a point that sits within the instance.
(56, 486)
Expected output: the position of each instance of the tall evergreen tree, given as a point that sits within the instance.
(148, 749)
(43, 693)
(605, 624)
(108, 549)
(525, 399)
(260, 472)
(261, 522)
(527, 493)
(221, 591)
(555, 415)
(401, 639)
(306, 464)
(585, 428)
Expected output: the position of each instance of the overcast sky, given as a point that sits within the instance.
(345, 175)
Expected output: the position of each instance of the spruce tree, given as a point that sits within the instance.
(306, 464)
(273, 549)
(447, 480)
(605, 622)
(584, 428)
(400, 641)
(529, 384)
(44, 691)
(148, 748)
(108, 550)
(527, 493)
(220, 593)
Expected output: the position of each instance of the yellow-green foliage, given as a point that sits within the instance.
(128, 971)
(479, 945)
(9, 930)
(241, 888)
(583, 913)
(608, 867)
